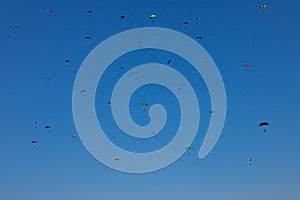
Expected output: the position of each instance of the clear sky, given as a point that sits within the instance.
(233, 32)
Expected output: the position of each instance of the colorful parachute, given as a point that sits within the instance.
(135, 72)
(47, 127)
(144, 104)
(49, 11)
(15, 26)
(74, 135)
(198, 18)
(189, 148)
(154, 132)
(246, 65)
(263, 6)
(177, 88)
(141, 41)
(83, 91)
(152, 16)
(34, 141)
(249, 160)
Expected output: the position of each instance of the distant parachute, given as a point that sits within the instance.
(246, 65)
(15, 26)
(198, 18)
(185, 22)
(264, 124)
(83, 91)
(74, 135)
(47, 127)
(188, 148)
(199, 37)
(249, 160)
(87, 37)
(122, 16)
(34, 141)
(152, 16)
(177, 88)
(49, 11)
(135, 72)
(144, 104)
(263, 7)
(117, 158)
(89, 11)
(67, 61)
(169, 61)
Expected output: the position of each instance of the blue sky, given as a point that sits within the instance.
(234, 32)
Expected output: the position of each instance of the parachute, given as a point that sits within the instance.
(185, 22)
(249, 160)
(144, 104)
(152, 16)
(34, 142)
(122, 16)
(264, 124)
(177, 88)
(74, 135)
(188, 148)
(83, 91)
(87, 37)
(199, 37)
(47, 127)
(263, 6)
(169, 61)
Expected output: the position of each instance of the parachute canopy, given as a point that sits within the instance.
(122, 16)
(189, 148)
(34, 141)
(263, 6)
(74, 135)
(152, 16)
(83, 90)
(264, 124)
(47, 126)
(15, 26)
(144, 104)
(185, 22)
(246, 65)
(49, 11)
